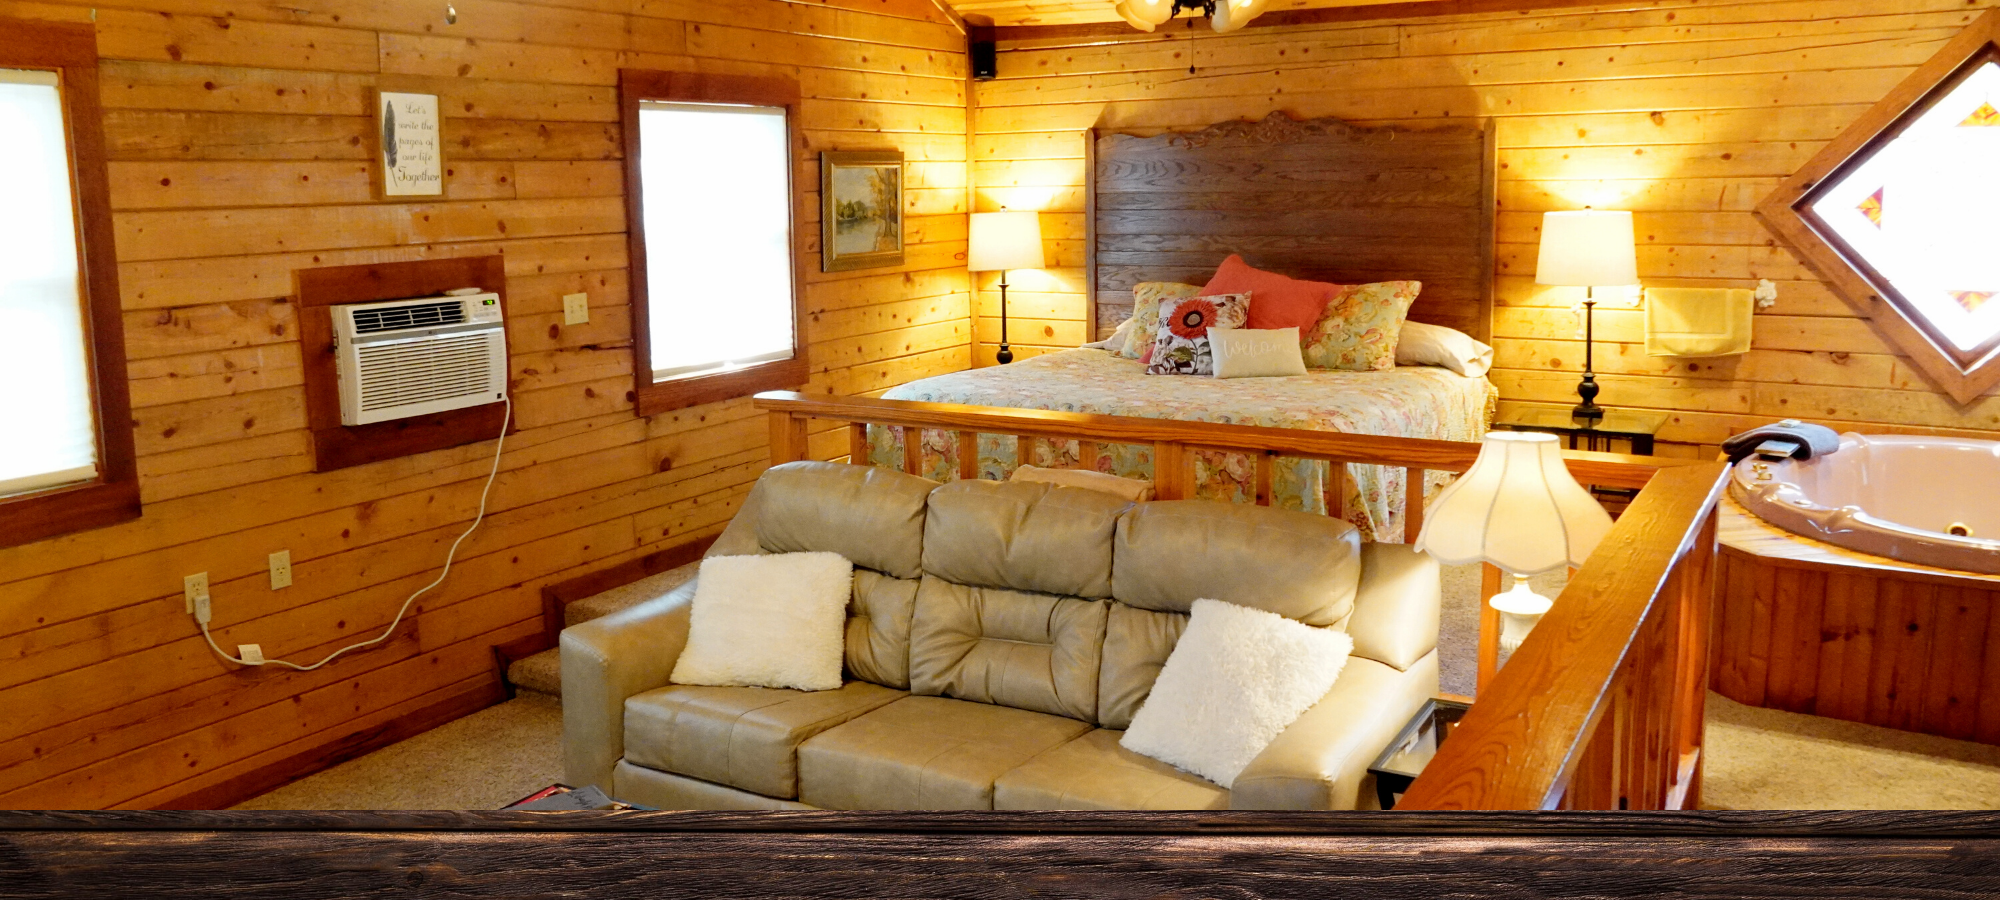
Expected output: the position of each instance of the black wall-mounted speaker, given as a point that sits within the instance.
(985, 61)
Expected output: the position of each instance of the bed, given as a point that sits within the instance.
(1319, 199)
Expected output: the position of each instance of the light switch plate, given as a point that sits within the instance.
(576, 309)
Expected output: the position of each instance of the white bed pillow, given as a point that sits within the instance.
(776, 621)
(1115, 342)
(1256, 353)
(1436, 345)
(1236, 679)
(1137, 490)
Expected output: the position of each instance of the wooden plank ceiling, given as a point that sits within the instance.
(1006, 13)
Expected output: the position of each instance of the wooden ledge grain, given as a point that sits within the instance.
(1002, 856)
(1717, 824)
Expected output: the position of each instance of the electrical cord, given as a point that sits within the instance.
(202, 608)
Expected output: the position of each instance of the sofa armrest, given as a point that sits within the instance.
(1395, 619)
(606, 660)
(1321, 761)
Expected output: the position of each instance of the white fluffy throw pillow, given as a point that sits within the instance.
(775, 621)
(1237, 678)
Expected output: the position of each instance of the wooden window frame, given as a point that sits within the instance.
(70, 50)
(636, 85)
(1964, 376)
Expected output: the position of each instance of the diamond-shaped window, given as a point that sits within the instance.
(1902, 213)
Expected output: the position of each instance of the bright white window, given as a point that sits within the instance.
(716, 186)
(1920, 212)
(46, 405)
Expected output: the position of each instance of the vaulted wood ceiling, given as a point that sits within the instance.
(1072, 12)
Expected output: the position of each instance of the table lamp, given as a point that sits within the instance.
(1587, 249)
(1000, 241)
(1519, 509)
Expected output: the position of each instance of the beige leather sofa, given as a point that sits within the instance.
(999, 637)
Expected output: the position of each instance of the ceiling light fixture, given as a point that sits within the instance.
(1223, 15)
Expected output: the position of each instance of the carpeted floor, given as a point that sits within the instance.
(1769, 759)
(1755, 758)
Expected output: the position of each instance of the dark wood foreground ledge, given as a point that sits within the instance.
(1241, 856)
(1983, 825)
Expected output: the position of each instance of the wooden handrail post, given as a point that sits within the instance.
(1170, 475)
(1489, 626)
(913, 450)
(858, 449)
(968, 455)
(788, 438)
(1413, 502)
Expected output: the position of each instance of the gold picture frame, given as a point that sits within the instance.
(861, 209)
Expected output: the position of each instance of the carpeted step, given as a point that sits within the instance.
(632, 594)
(540, 673)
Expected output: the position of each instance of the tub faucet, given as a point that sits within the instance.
(1775, 450)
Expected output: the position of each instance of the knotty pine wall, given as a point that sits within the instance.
(238, 135)
(1686, 111)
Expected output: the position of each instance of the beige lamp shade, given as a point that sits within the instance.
(1517, 508)
(1590, 248)
(1005, 240)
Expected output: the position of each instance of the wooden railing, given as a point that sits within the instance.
(1599, 709)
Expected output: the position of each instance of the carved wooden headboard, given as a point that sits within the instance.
(1319, 199)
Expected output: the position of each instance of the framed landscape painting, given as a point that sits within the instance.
(861, 209)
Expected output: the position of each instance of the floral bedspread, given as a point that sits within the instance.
(1409, 401)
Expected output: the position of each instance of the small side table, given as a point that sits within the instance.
(1636, 427)
(1405, 757)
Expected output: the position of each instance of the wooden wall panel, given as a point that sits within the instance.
(1686, 112)
(239, 142)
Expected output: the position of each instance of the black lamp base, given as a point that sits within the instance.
(1006, 354)
(1588, 413)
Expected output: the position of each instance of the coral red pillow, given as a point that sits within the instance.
(1281, 302)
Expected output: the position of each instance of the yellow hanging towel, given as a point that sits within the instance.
(1698, 321)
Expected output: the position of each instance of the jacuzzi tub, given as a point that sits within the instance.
(1925, 500)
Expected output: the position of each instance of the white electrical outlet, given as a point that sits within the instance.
(281, 569)
(576, 309)
(195, 587)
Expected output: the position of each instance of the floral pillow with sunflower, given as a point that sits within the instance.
(1182, 346)
(1146, 300)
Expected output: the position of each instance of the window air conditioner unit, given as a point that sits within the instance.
(404, 358)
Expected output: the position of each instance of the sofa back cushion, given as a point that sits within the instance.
(875, 518)
(1039, 652)
(1022, 536)
(872, 516)
(1170, 553)
(878, 628)
(1137, 643)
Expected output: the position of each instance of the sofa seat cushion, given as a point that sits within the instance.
(925, 753)
(743, 737)
(1093, 772)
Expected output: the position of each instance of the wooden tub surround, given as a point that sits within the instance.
(1601, 707)
(1807, 627)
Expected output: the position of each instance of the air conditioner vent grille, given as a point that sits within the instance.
(413, 315)
(421, 371)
